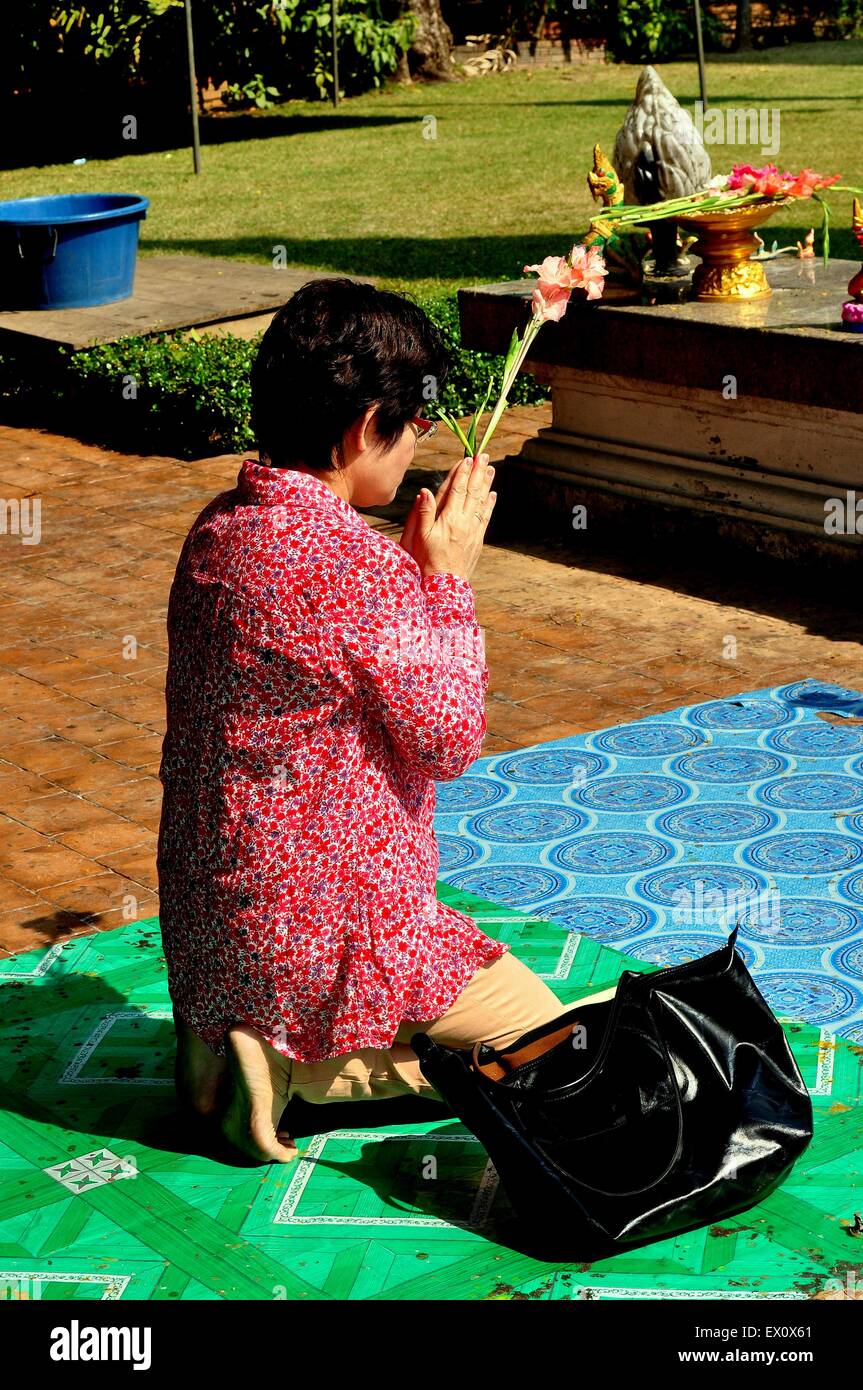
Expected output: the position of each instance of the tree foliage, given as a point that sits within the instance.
(263, 51)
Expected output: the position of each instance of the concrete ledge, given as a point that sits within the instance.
(171, 292)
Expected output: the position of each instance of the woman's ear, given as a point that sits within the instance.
(362, 433)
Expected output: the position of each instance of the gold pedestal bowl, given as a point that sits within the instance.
(726, 240)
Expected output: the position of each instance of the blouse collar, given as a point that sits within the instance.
(273, 487)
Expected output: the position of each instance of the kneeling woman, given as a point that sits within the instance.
(321, 678)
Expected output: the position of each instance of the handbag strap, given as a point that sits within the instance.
(499, 1066)
(503, 1063)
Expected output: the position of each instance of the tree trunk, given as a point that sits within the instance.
(743, 37)
(430, 54)
(508, 34)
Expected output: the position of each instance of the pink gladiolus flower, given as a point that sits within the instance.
(767, 181)
(588, 270)
(551, 296)
(805, 183)
(554, 270)
(549, 302)
(583, 269)
(771, 184)
(741, 176)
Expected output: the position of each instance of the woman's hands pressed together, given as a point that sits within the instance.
(445, 533)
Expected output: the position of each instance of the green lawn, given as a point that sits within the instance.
(361, 190)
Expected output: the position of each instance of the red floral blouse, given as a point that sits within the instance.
(317, 686)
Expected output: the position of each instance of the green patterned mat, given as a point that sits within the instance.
(101, 1200)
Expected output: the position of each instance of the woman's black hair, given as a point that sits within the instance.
(337, 347)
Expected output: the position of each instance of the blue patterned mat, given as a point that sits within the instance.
(657, 837)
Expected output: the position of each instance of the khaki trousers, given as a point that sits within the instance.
(503, 1000)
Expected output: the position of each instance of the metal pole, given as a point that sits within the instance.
(193, 88)
(700, 47)
(334, 12)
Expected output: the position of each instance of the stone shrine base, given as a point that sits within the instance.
(739, 422)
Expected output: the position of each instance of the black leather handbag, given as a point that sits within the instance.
(673, 1104)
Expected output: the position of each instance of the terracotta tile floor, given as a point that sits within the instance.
(576, 640)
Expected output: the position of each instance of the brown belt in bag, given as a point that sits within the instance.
(506, 1062)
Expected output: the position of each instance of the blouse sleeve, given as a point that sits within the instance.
(416, 652)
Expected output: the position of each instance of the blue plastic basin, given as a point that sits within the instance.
(69, 250)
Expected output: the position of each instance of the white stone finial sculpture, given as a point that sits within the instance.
(659, 144)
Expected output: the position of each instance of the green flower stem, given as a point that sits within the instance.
(825, 226)
(529, 334)
(679, 207)
(626, 213)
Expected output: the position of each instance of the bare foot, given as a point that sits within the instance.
(199, 1073)
(261, 1077)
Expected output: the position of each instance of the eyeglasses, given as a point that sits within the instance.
(425, 429)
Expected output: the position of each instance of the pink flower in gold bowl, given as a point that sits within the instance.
(771, 184)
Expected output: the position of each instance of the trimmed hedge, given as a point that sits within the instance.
(470, 371)
(188, 395)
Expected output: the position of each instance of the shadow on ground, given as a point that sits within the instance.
(721, 573)
(473, 260)
(154, 1120)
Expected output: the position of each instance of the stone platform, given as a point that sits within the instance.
(743, 419)
(171, 292)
